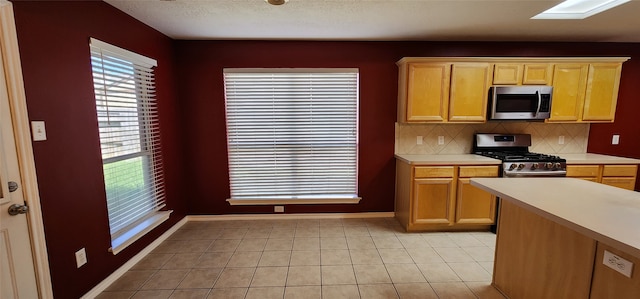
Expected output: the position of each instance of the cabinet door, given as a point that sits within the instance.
(428, 92)
(507, 73)
(433, 201)
(569, 84)
(620, 182)
(469, 92)
(474, 206)
(602, 92)
(537, 74)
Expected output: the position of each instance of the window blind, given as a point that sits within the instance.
(292, 133)
(129, 135)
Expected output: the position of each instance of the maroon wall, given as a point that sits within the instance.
(54, 46)
(200, 65)
(626, 123)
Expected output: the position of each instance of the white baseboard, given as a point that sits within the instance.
(134, 260)
(289, 216)
(138, 257)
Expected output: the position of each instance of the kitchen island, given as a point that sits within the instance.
(552, 235)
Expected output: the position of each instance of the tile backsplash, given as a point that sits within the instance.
(458, 138)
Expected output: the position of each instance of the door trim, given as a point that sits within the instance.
(20, 119)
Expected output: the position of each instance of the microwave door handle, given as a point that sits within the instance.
(539, 103)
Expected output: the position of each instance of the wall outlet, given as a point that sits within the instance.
(440, 140)
(615, 139)
(617, 263)
(561, 139)
(419, 140)
(278, 209)
(81, 257)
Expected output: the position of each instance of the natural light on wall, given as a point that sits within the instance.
(578, 9)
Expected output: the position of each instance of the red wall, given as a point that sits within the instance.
(199, 73)
(626, 124)
(54, 46)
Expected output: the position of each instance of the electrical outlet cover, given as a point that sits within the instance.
(617, 263)
(615, 139)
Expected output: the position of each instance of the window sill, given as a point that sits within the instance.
(308, 201)
(136, 232)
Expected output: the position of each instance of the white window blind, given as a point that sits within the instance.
(292, 133)
(129, 138)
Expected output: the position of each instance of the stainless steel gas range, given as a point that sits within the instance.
(517, 161)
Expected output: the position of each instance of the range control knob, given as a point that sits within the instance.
(513, 166)
(548, 165)
(520, 166)
(534, 166)
(557, 165)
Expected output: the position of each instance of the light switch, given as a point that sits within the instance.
(615, 139)
(38, 131)
(440, 140)
(419, 140)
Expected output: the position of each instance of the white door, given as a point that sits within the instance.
(17, 273)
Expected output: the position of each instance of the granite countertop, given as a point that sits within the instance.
(607, 214)
(589, 158)
(462, 159)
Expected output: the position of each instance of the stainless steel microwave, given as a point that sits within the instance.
(531, 102)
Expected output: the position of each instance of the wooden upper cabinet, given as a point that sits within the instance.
(469, 92)
(522, 74)
(456, 89)
(584, 92)
(602, 92)
(569, 83)
(537, 74)
(427, 92)
(507, 74)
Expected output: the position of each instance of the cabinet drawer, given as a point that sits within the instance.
(434, 172)
(620, 170)
(582, 170)
(478, 171)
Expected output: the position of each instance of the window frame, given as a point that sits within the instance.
(146, 142)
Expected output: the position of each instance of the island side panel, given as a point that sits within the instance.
(538, 258)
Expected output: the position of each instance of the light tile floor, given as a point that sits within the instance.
(323, 258)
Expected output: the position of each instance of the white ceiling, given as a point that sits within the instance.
(379, 20)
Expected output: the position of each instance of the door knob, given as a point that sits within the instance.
(16, 209)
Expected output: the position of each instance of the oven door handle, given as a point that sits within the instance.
(535, 114)
(555, 173)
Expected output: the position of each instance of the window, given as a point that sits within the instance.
(292, 135)
(129, 141)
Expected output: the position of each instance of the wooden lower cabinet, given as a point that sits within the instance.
(441, 197)
(433, 201)
(621, 176)
(474, 206)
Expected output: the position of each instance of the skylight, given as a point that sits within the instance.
(578, 9)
